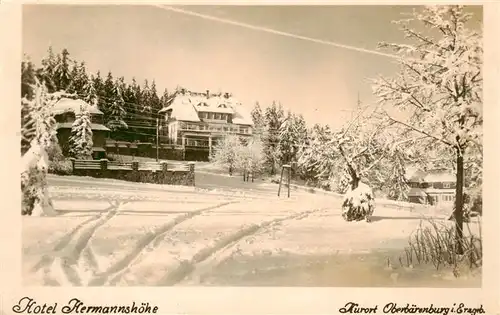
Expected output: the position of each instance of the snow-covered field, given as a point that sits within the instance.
(110, 232)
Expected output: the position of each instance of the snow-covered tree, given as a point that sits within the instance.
(314, 156)
(79, 78)
(439, 87)
(226, 152)
(81, 135)
(47, 73)
(164, 98)
(273, 116)
(40, 125)
(28, 75)
(62, 72)
(146, 98)
(292, 136)
(116, 110)
(90, 92)
(154, 99)
(258, 120)
(250, 157)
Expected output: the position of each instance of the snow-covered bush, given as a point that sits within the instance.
(359, 203)
(58, 163)
(33, 182)
(35, 198)
(61, 167)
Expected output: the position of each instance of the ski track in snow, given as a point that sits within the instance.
(114, 273)
(208, 258)
(72, 261)
(72, 251)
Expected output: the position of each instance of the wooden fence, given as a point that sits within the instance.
(172, 173)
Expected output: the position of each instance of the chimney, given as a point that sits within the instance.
(208, 93)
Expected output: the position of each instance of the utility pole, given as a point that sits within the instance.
(157, 137)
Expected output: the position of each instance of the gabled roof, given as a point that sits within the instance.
(185, 106)
(65, 105)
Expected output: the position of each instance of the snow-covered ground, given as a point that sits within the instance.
(110, 232)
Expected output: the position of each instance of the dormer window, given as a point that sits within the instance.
(222, 105)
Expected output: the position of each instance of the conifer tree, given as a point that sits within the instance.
(273, 117)
(164, 98)
(89, 92)
(62, 72)
(99, 88)
(28, 76)
(80, 142)
(258, 120)
(116, 111)
(47, 73)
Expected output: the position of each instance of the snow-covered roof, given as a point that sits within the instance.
(65, 105)
(182, 109)
(440, 177)
(92, 126)
(431, 176)
(242, 116)
(185, 106)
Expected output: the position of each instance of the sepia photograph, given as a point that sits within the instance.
(252, 145)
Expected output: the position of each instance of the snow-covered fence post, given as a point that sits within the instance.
(72, 164)
(135, 165)
(104, 167)
(164, 167)
(191, 176)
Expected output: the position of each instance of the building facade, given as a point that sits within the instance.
(65, 111)
(436, 187)
(196, 121)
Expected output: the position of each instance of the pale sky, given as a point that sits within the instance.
(146, 42)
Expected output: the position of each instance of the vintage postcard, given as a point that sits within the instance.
(296, 153)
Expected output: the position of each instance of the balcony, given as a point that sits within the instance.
(213, 128)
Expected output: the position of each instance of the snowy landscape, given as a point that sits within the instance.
(193, 188)
(109, 232)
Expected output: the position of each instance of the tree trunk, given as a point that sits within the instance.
(459, 204)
